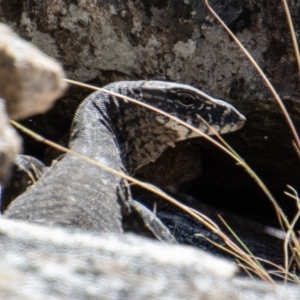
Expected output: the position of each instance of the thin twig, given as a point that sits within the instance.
(261, 73)
(281, 216)
(292, 31)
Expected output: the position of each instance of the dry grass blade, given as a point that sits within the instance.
(281, 216)
(236, 251)
(249, 170)
(239, 241)
(261, 73)
(198, 216)
(244, 269)
(232, 253)
(157, 111)
(232, 153)
(296, 148)
(293, 35)
(226, 148)
(204, 220)
(256, 269)
(144, 185)
(221, 139)
(289, 232)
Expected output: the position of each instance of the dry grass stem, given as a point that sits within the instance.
(260, 72)
(204, 220)
(293, 35)
(287, 240)
(280, 214)
(246, 260)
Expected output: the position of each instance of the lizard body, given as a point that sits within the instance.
(123, 136)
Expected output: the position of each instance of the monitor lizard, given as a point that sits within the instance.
(123, 136)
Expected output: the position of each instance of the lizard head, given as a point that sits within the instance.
(188, 103)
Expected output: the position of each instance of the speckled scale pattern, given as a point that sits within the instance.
(123, 136)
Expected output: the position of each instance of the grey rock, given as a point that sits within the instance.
(29, 80)
(53, 263)
(180, 41)
(10, 143)
(29, 83)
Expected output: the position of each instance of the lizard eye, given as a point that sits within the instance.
(186, 100)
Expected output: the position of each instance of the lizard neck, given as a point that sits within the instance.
(105, 126)
(142, 138)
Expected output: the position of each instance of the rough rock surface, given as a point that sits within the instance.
(10, 142)
(29, 80)
(105, 41)
(29, 83)
(56, 263)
